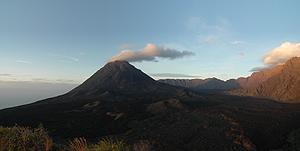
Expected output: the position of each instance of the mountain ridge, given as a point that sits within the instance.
(284, 85)
(282, 82)
(209, 83)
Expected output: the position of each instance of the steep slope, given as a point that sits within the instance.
(118, 77)
(258, 77)
(285, 85)
(209, 83)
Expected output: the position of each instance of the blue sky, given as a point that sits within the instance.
(65, 42)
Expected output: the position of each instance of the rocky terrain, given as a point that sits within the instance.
(283, 83)
(258, 77)
(121, 101)
(210, 83)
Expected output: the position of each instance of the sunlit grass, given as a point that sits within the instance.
(78, 144)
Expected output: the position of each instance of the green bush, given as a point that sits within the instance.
(19, 138)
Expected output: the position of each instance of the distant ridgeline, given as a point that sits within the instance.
(280, 83)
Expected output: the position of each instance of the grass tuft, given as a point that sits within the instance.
(110, 144)
(78, 144)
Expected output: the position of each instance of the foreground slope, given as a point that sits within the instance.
(284, 85)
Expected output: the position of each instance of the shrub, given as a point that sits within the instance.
(19, 138)
(24, 138)
(109, 144)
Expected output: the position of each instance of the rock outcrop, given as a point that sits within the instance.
(283, 85)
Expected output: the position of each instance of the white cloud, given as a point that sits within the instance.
(31, 78)
(237, 42)
(240, 53)
(63, 56)
(81, 53)
(127, 46)
(73, 58)
(149, 53)
(280, 55)
(22, 61)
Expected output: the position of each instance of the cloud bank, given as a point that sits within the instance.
(150, 53)
(279, 55)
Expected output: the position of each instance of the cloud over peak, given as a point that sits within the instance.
(150, 53)
(279, 55)
(282, 54)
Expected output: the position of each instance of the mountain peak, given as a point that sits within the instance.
(119, 62)
(118, 76)
(293, 62)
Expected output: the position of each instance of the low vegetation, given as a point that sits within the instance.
(24, 138)
(18, 138)
(109, 144)
(294, 141)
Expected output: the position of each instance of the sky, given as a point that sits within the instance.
(49, 47)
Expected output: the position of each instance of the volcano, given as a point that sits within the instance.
(116, 88)
(119, 77)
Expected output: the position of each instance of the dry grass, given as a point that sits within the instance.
(78, 144)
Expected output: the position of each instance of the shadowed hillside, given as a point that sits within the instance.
(210, 83)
